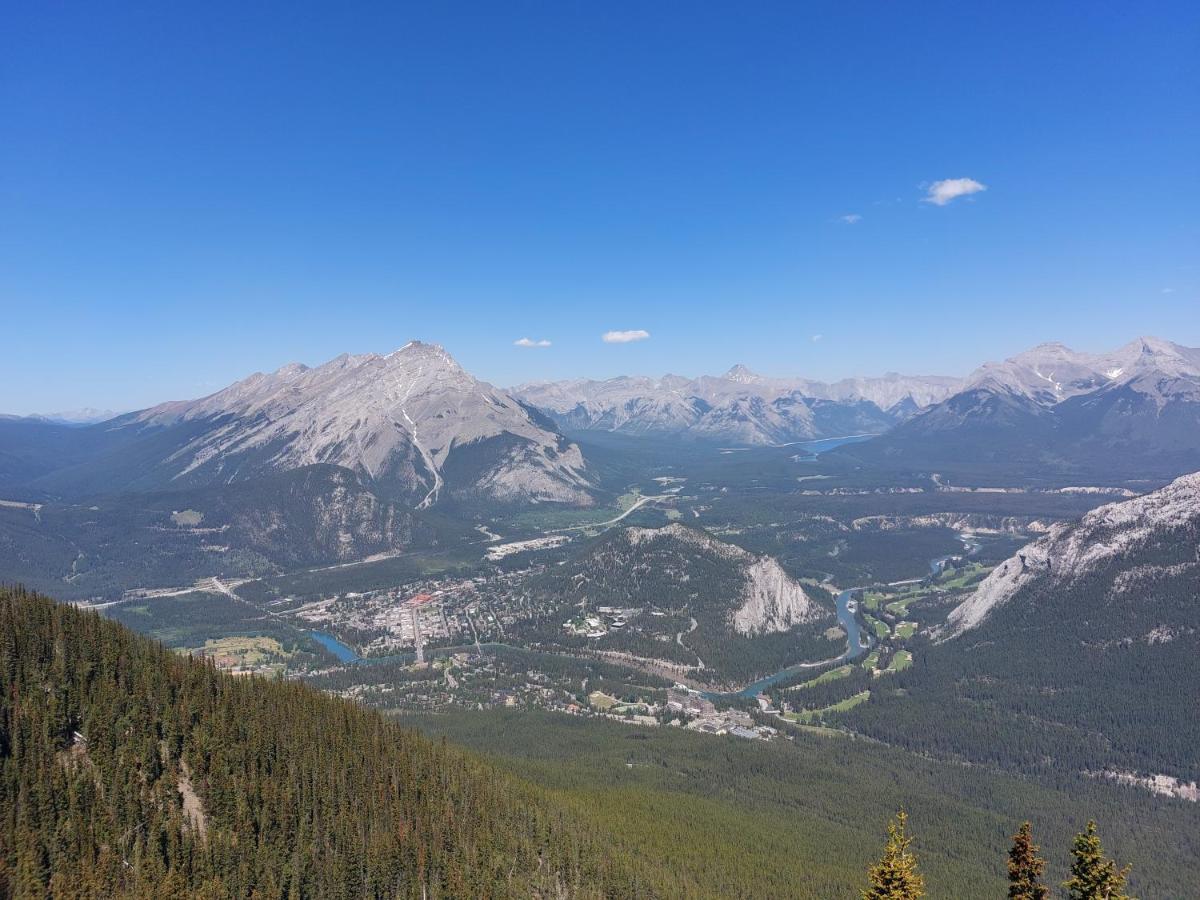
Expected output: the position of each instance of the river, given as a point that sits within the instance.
(847, 608)
(348, 655)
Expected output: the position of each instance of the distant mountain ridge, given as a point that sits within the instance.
(739, 406)
(84, 416)
(1135, 409)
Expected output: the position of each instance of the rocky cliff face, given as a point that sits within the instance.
(770, 600)
(397, 420)
(773, 601)
(1115, 533)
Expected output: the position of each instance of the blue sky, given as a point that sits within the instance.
(192, 192)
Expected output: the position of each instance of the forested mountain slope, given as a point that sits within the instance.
(727, 614)
(126, 770)
(1079, 652)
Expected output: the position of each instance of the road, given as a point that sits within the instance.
(679, 640)
(641, 501)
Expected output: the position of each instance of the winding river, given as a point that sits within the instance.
(847, 607)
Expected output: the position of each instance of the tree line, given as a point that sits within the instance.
(1094, 876)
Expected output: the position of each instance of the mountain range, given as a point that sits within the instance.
(1134, 411)
(414, 427)
(738, 407)
(1049, 408)
(316, 465)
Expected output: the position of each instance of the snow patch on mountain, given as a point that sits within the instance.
(740, 406)
(1069, 373)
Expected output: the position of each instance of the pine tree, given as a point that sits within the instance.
(1093, 875)
(895, 876)
(1025, 867)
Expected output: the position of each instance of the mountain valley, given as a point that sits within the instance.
(652, 570)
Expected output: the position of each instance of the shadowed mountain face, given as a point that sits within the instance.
(1134, 411)
(738, 407)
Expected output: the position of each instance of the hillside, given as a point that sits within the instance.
(413, 424)
(799, 819)
(707, 607)
(1076, 654)
(126, 770)
(363, 455)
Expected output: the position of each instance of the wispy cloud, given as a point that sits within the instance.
(624, 337)
(817, 337)
(850, 218)
(942, 192)
(1168, 290)
(530, 342)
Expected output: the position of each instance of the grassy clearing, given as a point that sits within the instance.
(881, 628)
(897, 601)
(601, 700)
(831, 675)
(808, 715)
(900, 661)
(962, 577)
(871, 661)
(905, 630)
(258, 651)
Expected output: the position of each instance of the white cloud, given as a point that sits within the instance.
(624, 337)
(942, 192)
(529, 342)
(850, 218)
(817, 337)
(1168, 290)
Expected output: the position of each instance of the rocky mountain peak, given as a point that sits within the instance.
(740, 374)
(394, 418)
